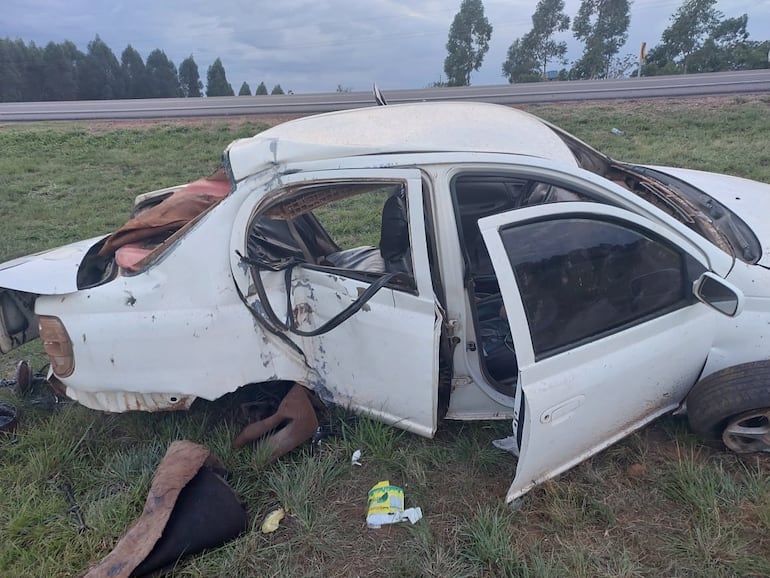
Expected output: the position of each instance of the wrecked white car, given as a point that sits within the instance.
(511, 272)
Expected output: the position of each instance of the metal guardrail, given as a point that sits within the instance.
(743, 82)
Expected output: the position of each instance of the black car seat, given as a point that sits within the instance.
(394, 234)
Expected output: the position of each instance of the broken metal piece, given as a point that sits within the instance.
(74, 507)
(24, 379)
(293, 423)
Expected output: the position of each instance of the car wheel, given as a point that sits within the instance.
(731, 408)
(748, 432)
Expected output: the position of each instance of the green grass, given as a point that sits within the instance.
(655, 504)
(65, 182)
(723, 135)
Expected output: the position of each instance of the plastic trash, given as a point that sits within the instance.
(386, 506)
(507, 445)
(355, 459)
(616, 131)
(273, 520)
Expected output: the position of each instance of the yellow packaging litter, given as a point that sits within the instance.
(273, 520)
(386, 506)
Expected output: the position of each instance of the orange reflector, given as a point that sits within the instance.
(57, 345)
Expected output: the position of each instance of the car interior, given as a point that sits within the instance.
(477, 196)
(298, 232)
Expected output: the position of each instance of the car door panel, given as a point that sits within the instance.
(383, 360)
(581, 401)
(592, 389)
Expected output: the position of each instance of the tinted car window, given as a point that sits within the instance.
(581, 278)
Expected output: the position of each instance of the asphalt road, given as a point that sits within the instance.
(743, 82)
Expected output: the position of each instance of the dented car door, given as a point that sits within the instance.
(363, 318)
(607, 332)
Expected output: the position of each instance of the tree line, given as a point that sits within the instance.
(62, 72)
(699, 38)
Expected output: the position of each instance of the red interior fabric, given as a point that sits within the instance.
(168, 216)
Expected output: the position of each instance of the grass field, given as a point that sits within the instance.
(656, 504)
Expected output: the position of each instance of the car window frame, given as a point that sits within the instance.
(697, 248)
(690, 270)
(407, 283)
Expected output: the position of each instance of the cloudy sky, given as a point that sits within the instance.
(317, 45)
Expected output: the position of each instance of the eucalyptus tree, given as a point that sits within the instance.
(60, 71)
(134, 74)
(539, 43)
(189, 79)
(216, 80)
(521, 65)
(162, 75)
(468, 42)
(602, 26)
(99, 73)
(689, 27)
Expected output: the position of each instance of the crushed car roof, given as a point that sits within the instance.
(418, 127)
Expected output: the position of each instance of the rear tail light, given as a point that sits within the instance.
(57, 345)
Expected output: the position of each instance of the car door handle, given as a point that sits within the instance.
(561, 411)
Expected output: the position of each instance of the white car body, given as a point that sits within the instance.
(192, 323)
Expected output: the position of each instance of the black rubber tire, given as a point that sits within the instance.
(726, 394)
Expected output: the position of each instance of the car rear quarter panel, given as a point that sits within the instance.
(179, 327)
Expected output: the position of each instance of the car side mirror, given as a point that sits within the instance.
(718, 293)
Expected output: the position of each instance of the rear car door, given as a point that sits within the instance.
(379, 356)
(607, 332)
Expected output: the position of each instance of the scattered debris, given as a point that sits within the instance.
(292, 424)
(355, 460)
(74, 507)
(333, 426)
(189, 508)
(24, 379)
(617, 131)
(507, 445)
(273, 520)
(8, 417)
(386, 506)
(321, 433)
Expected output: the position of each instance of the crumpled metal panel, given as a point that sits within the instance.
(52, 272)
(413, 127)
(121, 401)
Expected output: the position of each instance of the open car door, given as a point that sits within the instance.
(364, 318)
(607, 332)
